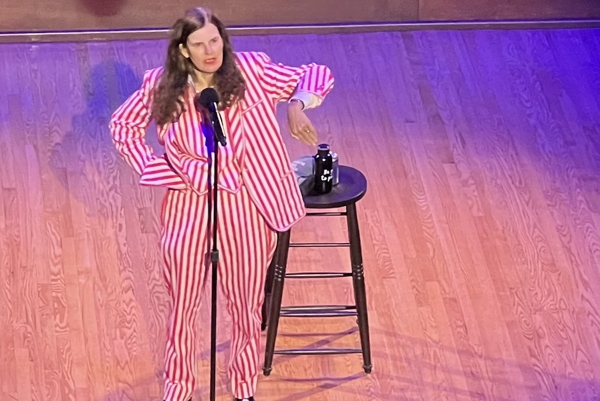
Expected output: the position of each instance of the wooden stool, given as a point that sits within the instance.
(351, 188)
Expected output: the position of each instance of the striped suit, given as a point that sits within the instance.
(258, 196)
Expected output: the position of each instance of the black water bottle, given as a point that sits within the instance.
(323, 170)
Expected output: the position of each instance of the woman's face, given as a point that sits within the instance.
(205, 48)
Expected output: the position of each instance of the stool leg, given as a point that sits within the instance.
(358, 281)
(269, 288)
(276, 296)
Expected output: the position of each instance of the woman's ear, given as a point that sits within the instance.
(184, 51)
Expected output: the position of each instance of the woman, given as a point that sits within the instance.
(258, 191)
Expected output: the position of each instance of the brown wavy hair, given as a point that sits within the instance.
(229, 83)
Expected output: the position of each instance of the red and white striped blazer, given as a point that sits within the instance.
(255, 154)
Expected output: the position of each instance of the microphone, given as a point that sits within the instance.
(208, 100)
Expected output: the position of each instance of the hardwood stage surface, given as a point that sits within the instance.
(480, 229)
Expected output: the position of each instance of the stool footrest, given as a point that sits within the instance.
(317, 275)
(320, 245)
(318, 313)
(318, 307)
(327, 214)
(331, 351)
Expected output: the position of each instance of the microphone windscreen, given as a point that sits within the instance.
(208, 96)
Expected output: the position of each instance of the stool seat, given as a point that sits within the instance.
(351, 188)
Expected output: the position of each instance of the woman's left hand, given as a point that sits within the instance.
(299, 124)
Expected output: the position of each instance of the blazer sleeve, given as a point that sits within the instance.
(128, 127)
(280, 82)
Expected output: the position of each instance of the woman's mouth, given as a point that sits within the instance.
(210, 61)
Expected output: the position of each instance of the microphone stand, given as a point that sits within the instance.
(213, 214)
(214, 258)
(207, 101)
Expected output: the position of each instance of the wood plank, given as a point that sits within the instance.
(32, 16)
(120, 14)
(479, 229)
(444, 10)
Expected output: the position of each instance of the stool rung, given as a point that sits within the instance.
(320, 245)
(317, 275)
(318, 307)
(327, 214)
(318, 313)
(331, 351)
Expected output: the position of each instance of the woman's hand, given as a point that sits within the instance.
(299, 124)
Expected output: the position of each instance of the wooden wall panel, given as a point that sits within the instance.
(38, 15)
(31, 15)
(444, 10)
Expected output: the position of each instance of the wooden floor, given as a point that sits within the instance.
(480, 230)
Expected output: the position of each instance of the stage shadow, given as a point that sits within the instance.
(85, 161)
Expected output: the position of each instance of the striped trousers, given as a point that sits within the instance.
(246, 244)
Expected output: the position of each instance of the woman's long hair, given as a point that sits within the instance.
(167, 104)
